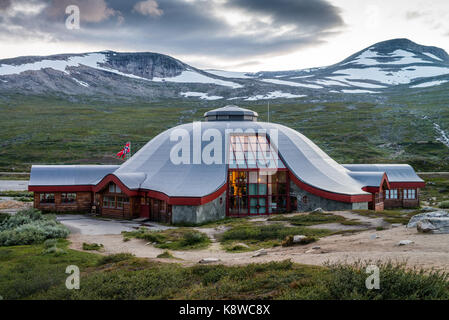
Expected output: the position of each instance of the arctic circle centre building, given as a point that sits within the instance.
(230, 164)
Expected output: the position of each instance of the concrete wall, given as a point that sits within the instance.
(313, 202)
(211, 211)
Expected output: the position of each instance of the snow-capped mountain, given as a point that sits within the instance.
(381, 66)
(398, 63)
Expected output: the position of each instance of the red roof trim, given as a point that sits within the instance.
(380, 188)
(60, 188)
(330, 195)
(189, 201)
(394, 185)
(112, 178)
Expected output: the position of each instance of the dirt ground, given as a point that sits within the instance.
(427, 251)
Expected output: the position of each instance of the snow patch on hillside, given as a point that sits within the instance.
(82, 83)
(432, 56)
(402, 76)
(291, 83)
(357, 91)
(371, 58)
(429, 84)
(201, 95)
(190, 76)
(274, 95)
(229, 74)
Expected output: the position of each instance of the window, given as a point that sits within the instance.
(47, 198)
(68, 197)
(113, 188)
(114, 202)
(121, 201)
(391, 194)
(409, 194)
(109, 202)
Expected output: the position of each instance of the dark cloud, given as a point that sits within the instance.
(4, 4)
(318, 14)
(178, 27)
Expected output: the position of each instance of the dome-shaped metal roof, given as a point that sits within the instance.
(231, 113)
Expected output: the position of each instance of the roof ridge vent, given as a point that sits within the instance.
(231, 113)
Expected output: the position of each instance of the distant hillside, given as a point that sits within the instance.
(388, 66)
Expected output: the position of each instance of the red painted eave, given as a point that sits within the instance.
(330, 195)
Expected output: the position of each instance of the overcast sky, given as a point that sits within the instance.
(241, 35)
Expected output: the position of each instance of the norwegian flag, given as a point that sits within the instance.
(125, 150)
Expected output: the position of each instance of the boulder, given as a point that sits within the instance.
(433, 225)
(298, 238)
(426, 215)
(261, 252)
(405, 242)
(208, 260)
(318, 210)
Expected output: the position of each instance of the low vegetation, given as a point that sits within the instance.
(436, 190)
(28, 227)
(37, 129)
(33, 272)
(391, 216)
(173, 239)
(166, 255)
(309, 219)
(264, 236)
(444, 204)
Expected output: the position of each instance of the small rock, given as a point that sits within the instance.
(209, 260)
(374, 236)
(318, 210)
(316, 247)
(396, 225)
(405, 242)
(261, 252)
(310, 251)
(148, 243)
(240, 244)
(298, 238)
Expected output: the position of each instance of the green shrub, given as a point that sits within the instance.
(114, 258)
(192, 238)
(28, 227)
(92, 246)
(396, 282)
(50, 243)
(444, 204)
(165, 255)
(54, 251)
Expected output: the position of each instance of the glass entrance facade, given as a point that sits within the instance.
(258, 180)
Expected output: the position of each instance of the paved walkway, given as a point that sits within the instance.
(87, 225)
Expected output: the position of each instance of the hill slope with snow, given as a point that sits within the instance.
(388, 65)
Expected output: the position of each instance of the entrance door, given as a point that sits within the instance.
(144, 211)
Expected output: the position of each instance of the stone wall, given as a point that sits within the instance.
(309, 202)
(211, 211)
